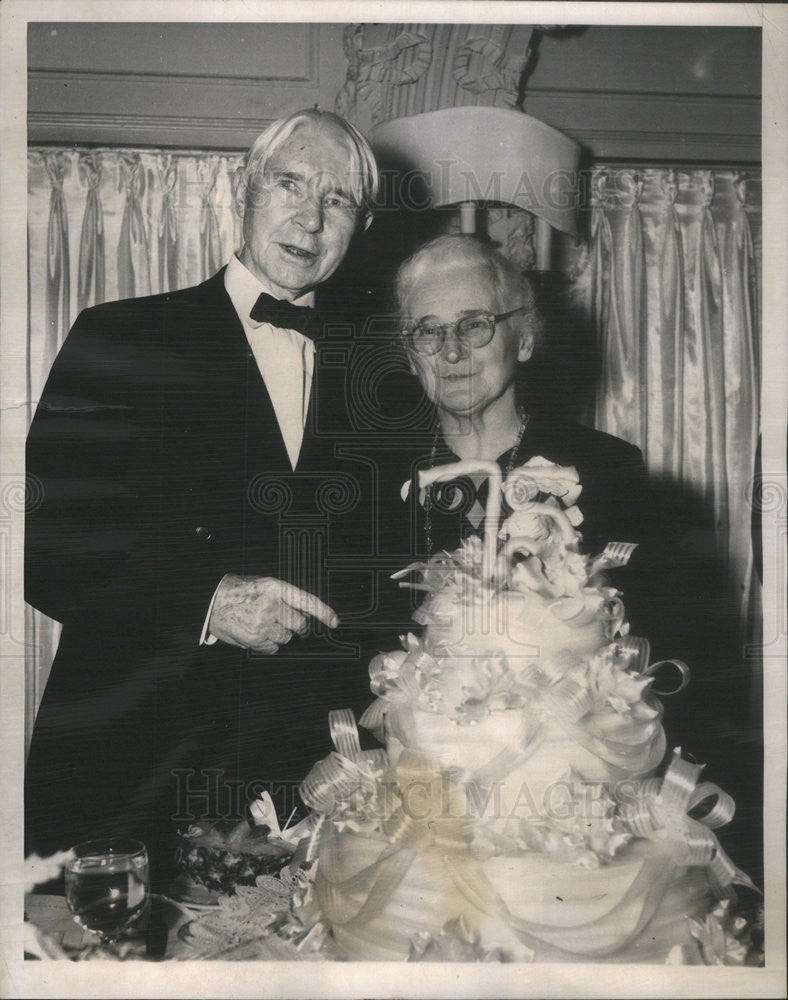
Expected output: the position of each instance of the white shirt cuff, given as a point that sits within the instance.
(206, 639)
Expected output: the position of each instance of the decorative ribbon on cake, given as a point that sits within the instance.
(332, 779)
(632, 653)
(660, 809)
(423, 820)
(620, 673)
(615, 554)
(394, 678)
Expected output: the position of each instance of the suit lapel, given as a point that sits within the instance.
(325, 416)
(262, 426)
(309, 449)
(264, 444)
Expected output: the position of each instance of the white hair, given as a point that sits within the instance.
(363, 167)
(511, 286)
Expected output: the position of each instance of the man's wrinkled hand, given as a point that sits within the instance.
(263, 613)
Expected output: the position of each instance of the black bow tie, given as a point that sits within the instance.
(285, 315)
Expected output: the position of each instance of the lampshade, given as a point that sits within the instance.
(483, 154)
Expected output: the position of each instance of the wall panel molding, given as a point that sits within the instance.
(198, 132)
(308, 75)
(618, 125)
(608, 124)
(75, 96)
(187, 106)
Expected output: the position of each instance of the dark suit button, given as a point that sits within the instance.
(203, 534)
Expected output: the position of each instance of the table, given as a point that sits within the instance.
(160, 939)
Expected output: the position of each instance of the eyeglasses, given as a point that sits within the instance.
(474, 331)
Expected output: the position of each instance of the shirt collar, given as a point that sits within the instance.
(243, 288)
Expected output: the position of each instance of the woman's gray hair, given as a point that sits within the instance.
(511, 286)
(363, 168)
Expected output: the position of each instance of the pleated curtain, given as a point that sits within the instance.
(669, 275)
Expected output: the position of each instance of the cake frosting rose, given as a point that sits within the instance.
(522, 808)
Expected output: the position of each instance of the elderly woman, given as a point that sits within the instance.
(469, 323)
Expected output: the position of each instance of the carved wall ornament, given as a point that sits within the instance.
(370, 70)
(396, 70)
(481, 65)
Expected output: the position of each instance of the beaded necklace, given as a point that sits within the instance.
(429, 497)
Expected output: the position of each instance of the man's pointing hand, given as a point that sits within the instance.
(263, 613)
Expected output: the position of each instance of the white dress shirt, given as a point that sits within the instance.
(285, 359)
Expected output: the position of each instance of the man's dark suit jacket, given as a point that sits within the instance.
(160, 467)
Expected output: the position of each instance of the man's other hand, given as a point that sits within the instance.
(263, 613)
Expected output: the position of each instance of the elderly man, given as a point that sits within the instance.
(175, 437)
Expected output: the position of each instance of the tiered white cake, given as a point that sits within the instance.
(515, 812)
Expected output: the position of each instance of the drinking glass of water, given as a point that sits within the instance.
(107, 885)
